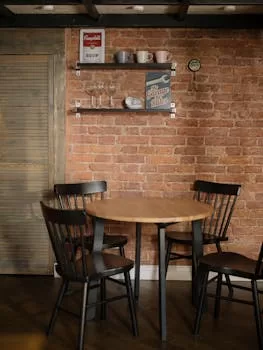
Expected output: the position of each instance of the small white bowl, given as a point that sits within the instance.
(133, 102)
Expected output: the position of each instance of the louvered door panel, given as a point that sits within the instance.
(25, 165)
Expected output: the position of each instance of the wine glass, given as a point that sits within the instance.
(90, 89)
(111, 92)
(96, 94)
(100, 90)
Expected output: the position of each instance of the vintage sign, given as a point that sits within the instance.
(92, 46)
(158, 90)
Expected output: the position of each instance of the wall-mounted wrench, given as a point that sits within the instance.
(165, 78)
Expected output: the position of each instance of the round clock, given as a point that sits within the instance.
(194, 65)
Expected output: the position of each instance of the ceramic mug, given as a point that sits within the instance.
(144, 56)
(124, 57)
(163, 56)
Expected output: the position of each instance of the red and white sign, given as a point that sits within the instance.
(92, 46)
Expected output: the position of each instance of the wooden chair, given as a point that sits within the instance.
(231, 264)
(75, 196)
(222, 197)
(78, 266)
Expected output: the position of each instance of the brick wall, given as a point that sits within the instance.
(216, 135)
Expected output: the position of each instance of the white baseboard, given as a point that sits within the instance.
(56, 275)
(175, 273)
(150, 273)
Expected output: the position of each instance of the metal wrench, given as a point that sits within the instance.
(165, 78)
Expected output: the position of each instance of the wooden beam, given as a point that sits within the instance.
(132, 2)
(178, 2)
(4, 11)
(42, 2)
(91, 9)
(133, 21)
(183, 9)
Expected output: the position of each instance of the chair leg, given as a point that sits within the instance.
(218, 295)
(229, 286)
(257, 314)
(167, 256)
(201, 303)
(61, 293)
(69, 291)
(102, 299)
(228, 281)
(83, 313)
(131, 302)
(122, 252)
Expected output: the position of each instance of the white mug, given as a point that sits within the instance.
(163, 56)
(144, 56)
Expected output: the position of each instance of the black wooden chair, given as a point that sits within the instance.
(76, 196)
(231, 264)
(78, 266)
(222, 197)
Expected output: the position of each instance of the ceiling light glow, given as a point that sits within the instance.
(138, 8)
(48, 7)
(230, 8)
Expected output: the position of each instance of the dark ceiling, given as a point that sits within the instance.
(131, 13)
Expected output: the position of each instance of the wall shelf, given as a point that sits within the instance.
(121, 66)
(151, 66)
(122, 110)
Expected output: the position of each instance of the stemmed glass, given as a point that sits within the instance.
(91, 91)
(111, 92)
(100, 90)
(96, 93)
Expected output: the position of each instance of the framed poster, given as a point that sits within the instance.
(92, 46)
(158, 90)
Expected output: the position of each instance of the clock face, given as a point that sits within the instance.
(194, 65)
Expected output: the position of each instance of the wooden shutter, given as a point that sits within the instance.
(26, 164)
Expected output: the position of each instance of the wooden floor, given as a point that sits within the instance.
(26, 303)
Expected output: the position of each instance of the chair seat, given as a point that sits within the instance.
(99, 265)
(186, 237)
(177, 236)
(109, 241)
(230, 263)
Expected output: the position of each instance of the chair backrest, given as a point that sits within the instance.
(63, 227)
(259, 265)
(222, 197)
(76, 195)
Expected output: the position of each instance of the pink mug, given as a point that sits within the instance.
(163, 56)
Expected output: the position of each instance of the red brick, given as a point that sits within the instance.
(216, 134)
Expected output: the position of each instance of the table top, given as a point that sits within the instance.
(149, 210)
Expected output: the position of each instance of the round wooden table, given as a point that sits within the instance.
(159, 211)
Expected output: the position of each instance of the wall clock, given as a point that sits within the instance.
(194, 65)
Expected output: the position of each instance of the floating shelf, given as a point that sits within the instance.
(124, 110)
(151, 66)
(136, 66)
